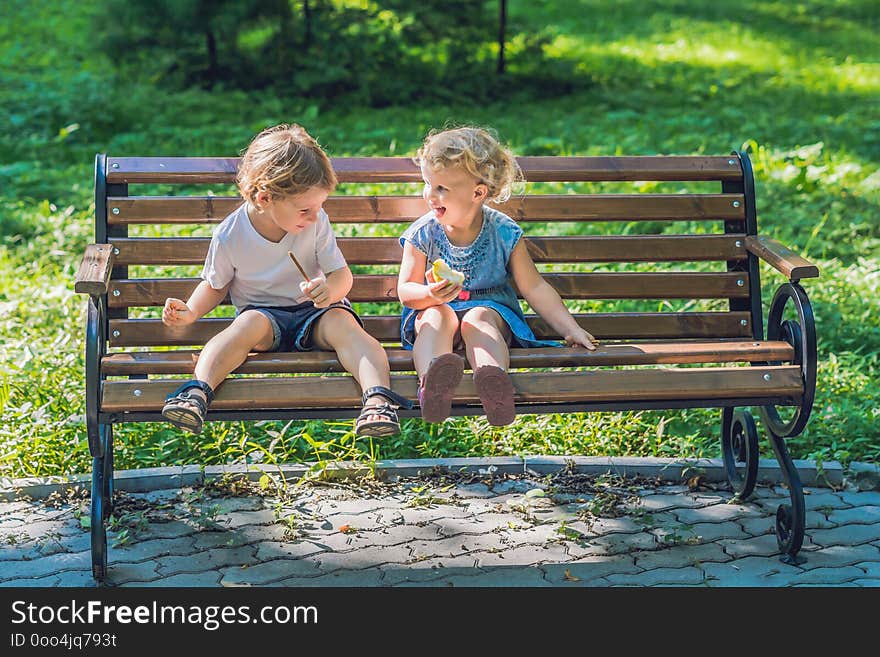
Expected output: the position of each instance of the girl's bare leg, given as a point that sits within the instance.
(435, 334)
(486, 336)
(438, 368)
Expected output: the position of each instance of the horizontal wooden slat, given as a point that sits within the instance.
(161, 251)
(637, 248)
(380, 287)
(387, 250)
(397, 209)
(171, 169)
(125, 210)
(657, 167)
(782, 258)
(649, 353)
(531, 387)
(651, 326)
(605, 326)
(402, 169)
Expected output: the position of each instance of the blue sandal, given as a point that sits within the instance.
(185, 410)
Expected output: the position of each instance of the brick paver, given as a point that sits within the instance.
(469, 534)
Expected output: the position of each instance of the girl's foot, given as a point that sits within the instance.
(496, 393)
(438, 386)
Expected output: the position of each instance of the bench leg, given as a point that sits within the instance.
(739, 450)
(101, 502)
(790, 519)
(99, 531)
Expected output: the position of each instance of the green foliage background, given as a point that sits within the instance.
(794, 82)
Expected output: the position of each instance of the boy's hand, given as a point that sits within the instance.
(582, 338)
(441, 291)
(317, 290)
(177, 313)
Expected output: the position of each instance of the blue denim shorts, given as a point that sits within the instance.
(292, 325)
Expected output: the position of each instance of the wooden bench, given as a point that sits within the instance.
(681, 324)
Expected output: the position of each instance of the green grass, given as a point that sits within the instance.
(797, 83)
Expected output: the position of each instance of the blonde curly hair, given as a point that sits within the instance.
(476, 151)
(283, 160)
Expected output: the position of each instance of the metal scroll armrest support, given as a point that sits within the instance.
(781, 258)
(93, 276)
(801, 334)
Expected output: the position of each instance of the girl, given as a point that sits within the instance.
(284, 178)
(463, 168)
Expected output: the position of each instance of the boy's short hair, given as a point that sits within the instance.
(284, 160)
(476, 151)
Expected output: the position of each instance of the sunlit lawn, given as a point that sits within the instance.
(795, 83)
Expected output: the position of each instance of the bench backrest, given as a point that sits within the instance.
(580, 214)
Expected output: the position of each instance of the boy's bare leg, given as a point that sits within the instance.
(223, 353)
(486, 336)
(250, 331)
(435, 334)
(358, 351)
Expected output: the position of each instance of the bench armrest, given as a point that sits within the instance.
(781, 258)
(93, 276)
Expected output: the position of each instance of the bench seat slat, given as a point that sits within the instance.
(657, 353)
(535, 387)
(387, 250)
(403, 169)
(380, 287)
(397, 209)
(386, 328)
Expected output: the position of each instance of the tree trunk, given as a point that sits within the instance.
(307, 12)
(283, 41)
(213, 66)
(502, 26)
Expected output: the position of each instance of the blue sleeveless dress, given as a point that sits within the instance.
(484, 263)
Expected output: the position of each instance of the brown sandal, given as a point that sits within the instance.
(496, 394)
(438, 386)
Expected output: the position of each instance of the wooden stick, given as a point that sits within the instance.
(298, 266)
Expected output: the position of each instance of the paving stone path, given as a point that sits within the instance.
(478, 529)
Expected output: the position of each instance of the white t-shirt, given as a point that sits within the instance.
(261, 272)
